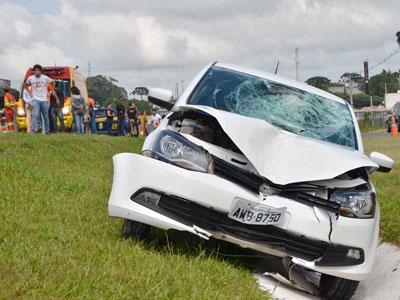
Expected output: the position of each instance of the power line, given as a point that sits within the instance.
(385, 59)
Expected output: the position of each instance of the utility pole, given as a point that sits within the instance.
(296, 59)
(351, 90)
(89, 69)
(176, 90)
(384, 98)
(366, 77)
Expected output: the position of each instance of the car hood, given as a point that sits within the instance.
(284, 157)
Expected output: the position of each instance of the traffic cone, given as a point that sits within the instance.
(393, 128)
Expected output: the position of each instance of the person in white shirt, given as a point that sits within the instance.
(27, 97)
(40, 104)
(155, 118)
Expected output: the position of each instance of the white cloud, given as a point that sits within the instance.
(160, 43)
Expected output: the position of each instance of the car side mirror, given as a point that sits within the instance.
(384, 162)
(161, 98)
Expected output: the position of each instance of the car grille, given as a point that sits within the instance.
(190, 213)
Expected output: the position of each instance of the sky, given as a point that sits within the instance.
(160, 43)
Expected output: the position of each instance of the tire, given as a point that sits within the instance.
(135, 229)
(335, 288)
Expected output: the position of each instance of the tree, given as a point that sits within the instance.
(319, 82)
(104, 90)
(398, 37)
(377, 83)
(140, 91)
(355, 77)
(143, 106)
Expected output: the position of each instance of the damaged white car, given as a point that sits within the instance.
(263, 162)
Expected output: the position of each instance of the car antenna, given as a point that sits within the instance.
(277, 67)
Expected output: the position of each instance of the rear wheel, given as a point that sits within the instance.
(135, 229)
(333, 288)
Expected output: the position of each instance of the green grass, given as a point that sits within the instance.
(57, 241)
(387, 186)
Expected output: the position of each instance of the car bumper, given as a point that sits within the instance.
(305, 230)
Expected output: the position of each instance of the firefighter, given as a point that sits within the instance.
(10, 105)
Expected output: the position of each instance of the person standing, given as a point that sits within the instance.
(78, 109)
(40, 104)
(10, 105)
(56, 105)
(109, 118)
(121, 110)
(92, 116)
(132, 116)
(27, 98)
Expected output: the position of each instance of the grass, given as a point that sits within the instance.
(57, 241)
(387, 186)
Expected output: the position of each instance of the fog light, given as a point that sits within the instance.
(149, 197)
(354, 253)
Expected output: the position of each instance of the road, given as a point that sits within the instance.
(382, 284)
(381, 132)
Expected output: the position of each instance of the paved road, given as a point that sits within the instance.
(381, 132)
(383, 283)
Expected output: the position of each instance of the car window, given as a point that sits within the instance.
(286, 107)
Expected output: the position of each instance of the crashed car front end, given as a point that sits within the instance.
(229, 164)
(309, 228)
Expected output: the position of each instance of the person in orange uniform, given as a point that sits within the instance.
(10, 105)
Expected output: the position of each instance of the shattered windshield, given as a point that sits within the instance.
(289, 108)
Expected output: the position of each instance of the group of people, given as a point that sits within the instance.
(43, 103)
(131, 115)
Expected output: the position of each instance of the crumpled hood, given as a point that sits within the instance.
(283, 157)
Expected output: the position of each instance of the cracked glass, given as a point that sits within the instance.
(286, 107)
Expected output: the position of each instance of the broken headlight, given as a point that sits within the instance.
(355, 204)
(173, 148)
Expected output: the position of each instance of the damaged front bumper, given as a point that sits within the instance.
(199, 203)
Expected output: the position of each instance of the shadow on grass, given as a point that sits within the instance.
(174, 242)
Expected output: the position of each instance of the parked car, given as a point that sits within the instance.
(395, 114)
(101, 117)
(264, 162)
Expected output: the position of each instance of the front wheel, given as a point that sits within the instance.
(335, 288)
(135, 229)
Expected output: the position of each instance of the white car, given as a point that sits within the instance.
(264, 162)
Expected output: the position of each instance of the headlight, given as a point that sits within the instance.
(66, 110)
(20, 112)
(173, 148)
(359, 204)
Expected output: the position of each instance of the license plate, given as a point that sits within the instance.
(257, 214)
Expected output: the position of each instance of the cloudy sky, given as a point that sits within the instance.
(159, 43)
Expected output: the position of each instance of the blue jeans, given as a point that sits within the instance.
(40, 109)
(121, 126)
(92, 124)
(78, 122)
(55, 113)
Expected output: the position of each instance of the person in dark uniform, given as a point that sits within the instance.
(132, 116)
(110, 118)
(121, 110)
